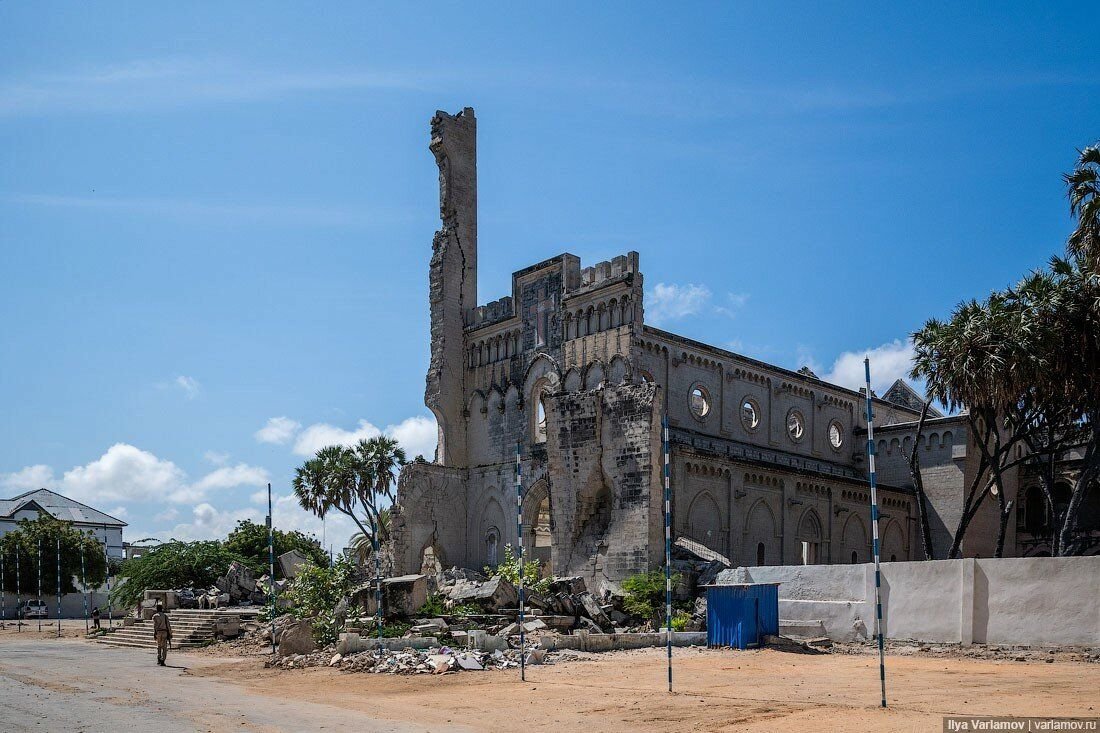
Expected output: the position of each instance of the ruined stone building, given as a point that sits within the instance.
(768, 464)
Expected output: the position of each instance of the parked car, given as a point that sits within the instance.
(33, 609)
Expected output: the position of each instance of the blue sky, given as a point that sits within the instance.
(215, 225)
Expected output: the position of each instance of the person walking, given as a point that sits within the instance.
(95, 617)
(162, 632)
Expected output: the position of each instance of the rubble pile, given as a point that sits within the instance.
(439, 660)
(565, 606)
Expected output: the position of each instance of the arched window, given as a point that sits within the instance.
(855, 557)
(760, 553)
(492, 542)
(540, 421)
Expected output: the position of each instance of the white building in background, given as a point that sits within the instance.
(33, 504)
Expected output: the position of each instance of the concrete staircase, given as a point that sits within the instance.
(190, 628)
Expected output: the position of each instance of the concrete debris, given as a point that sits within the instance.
(297, 639)
(401, 596)
(438, 660)
(291, 562)
(494, 594)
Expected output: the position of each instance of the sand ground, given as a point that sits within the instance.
(715, 690)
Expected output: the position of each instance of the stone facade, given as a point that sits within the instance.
(768, 465)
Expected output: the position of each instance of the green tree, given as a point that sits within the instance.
(1083, 189)
(316, 592)
(351, 481)
(174, 564)
(249, 540)
(1025, 363)
(44, 532)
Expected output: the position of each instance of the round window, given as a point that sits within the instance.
(796, 425)
(750, 414)
(836, 435)
(699, 401)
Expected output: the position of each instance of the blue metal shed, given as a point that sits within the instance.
(739, 615)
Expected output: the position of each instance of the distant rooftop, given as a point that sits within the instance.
(57, 506)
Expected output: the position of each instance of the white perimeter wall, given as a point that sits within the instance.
(1020, 601)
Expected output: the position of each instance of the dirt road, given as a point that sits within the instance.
(50, 684)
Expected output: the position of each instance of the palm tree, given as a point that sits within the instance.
(1084, 203)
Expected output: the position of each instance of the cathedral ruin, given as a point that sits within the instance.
(768, 464)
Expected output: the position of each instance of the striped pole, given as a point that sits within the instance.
(107, 559)
(271, 567)
(59, 586)
(874, 532)
(84, 585)
(3, 590)
(377, 582)
(39, 583)
(18, 593)
(519, 542)
(668, 552)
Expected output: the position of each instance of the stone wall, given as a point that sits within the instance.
(605, 471)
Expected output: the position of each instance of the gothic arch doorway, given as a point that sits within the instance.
(537, 538)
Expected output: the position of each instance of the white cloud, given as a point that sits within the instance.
(889, 362)
(167, 515)
(123, 473)
(319, 435)
(29, 479)
(670, 302)
(417, 435)
(209, 522)
(189, 385)
(217, 458)
(226, 477)
(278, 430)
(734, 303)
(127, 473)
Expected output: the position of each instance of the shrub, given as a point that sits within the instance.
(680, 620)
(645, 593)
(315, 593)
(509, 570)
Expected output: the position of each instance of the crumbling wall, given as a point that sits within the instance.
(604, 455)
(452, 278)
(430, 511)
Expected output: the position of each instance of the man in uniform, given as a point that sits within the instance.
(162, 631)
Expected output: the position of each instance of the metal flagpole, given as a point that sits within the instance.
(874, 532)
(84, 585)
(668, 552)
(271, 566)
(519, 542)
(39, 583)
(59, 586)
